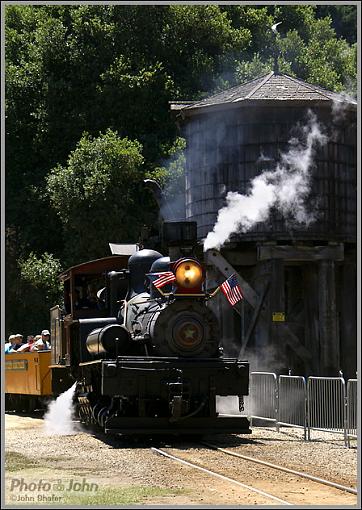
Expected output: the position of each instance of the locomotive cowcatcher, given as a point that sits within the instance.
(145, 359)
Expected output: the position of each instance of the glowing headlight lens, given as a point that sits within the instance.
(189, 274)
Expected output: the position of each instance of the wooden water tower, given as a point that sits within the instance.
(299, 310)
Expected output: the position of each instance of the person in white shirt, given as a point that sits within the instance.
(14, 343)
(42, 343)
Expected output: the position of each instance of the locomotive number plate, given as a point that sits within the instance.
(278, 317)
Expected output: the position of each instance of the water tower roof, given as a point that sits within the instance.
(273, 87)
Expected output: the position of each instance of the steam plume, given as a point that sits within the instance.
(59, 417)
(340, 105)
(285, 188)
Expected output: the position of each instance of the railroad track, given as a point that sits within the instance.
(282, 468)
(222, 477)
(314, 490)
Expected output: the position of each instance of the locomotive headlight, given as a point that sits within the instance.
(189, 274)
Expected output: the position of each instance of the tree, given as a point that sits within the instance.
(97, 195)
(344, 20)
(312, 52)
(35, 290)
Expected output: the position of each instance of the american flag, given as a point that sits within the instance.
(232, 290)
(161, 279)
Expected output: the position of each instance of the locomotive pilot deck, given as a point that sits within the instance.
(172, 380)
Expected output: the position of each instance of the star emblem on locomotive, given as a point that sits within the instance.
(190, 332)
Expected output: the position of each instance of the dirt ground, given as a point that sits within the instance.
(43, 469)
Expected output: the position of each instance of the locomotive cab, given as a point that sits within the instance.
(92, 293)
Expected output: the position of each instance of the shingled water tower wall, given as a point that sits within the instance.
(307, 273)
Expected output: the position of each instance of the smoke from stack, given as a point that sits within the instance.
(284, 188)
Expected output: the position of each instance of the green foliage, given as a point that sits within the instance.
(33, 287)
(97, 192)
(171, 178)
(310, 50)
(248, 70)
(121, 496)
(326, 59)
(201, 41)
(344, 19)
(175, 160)
(15, 462)
(41, 272)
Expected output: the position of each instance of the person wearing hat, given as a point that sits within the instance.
(45, 336)
(9, 344)
(42, 343)
(15, 341)
(27, 347)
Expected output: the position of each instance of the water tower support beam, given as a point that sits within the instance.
(214, 258)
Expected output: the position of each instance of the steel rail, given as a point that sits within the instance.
(222, 477)
(281, 468)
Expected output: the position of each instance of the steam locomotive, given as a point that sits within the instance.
(145, 359)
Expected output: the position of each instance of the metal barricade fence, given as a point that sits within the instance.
(263, 400)
(292, 408)
(318, 403)
(351, 410)
(326, 398)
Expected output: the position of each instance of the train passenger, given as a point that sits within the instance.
(14, 343)
(39, 345)
(27, 347)
(42, 341)
(45, 336)
(36, 339)
(9, 344)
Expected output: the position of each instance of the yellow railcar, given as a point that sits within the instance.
(27, 379)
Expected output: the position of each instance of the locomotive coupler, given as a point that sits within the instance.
(241, 403)
(179, 405)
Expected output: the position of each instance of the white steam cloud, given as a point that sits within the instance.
(58, 420)
(285, 188)
(340, 105)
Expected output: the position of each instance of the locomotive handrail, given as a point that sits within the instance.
(156, 369)
(209, 296)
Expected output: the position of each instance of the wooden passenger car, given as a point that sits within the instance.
(27, 379)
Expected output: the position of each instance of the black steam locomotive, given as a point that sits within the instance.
(145, 359)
